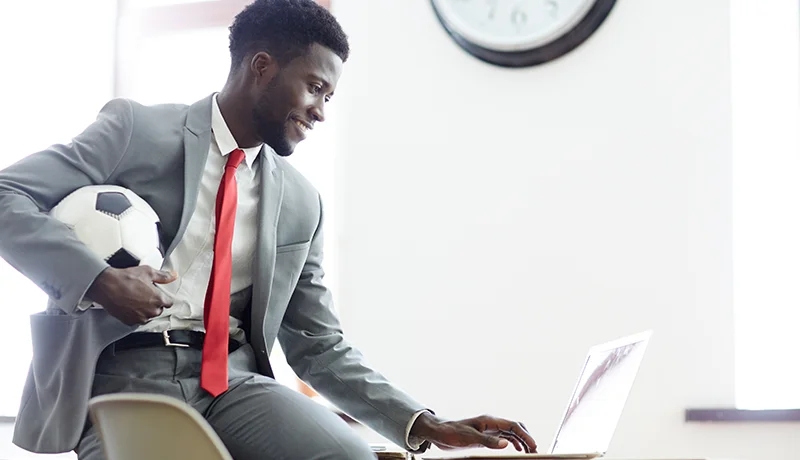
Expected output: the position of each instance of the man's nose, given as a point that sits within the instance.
(317, 113)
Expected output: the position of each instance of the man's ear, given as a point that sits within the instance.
(264, 67)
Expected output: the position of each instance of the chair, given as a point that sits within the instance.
(134, 426)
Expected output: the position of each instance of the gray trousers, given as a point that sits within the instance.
(257, 418)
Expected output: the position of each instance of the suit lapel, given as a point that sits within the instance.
(196, 141)
(264, 266)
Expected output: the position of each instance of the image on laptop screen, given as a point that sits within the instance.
(600, 395)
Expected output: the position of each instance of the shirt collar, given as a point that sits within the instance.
(224, 138)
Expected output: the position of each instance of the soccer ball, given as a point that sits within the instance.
(115, 223)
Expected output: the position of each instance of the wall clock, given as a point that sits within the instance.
(520, 33)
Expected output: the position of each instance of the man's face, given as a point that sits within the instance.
(290, 104)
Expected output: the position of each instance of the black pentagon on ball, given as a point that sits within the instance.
(123, 259)
(112, 203)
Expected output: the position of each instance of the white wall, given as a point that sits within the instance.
(495, 223)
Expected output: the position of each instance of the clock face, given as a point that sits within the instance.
(519, 33)
(512, 25)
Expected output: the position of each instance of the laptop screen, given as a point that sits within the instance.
(599, 397)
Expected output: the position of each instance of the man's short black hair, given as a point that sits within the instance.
(285, 29)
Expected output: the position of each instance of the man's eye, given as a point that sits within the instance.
(315, 89)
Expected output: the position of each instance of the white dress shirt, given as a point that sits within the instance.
(194, 254)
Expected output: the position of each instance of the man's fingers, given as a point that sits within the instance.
(519, 443)
(520, 432)
(515, 441)
(163, 276)
(164, 301)
(139, 319)
(516, 429)
(161, 298)
(493, 442)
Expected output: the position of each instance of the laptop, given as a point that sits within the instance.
(595, 406)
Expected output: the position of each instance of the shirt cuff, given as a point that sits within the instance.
(412, 442)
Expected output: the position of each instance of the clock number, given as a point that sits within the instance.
(552, 7)
(519, 17)
(492, 8)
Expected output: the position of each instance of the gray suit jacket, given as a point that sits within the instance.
(159, 153)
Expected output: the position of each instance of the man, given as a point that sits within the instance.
(243, 232)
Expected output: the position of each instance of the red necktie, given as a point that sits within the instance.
(216, 312)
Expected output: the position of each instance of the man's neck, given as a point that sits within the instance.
(237, 114)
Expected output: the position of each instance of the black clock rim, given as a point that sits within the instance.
(594, 18)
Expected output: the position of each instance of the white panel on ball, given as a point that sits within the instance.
(74, 207)
(140, 236)
(114, 223)
(100, 232)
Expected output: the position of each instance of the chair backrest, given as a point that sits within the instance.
(134, 426)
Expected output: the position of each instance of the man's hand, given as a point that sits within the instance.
(483, 431)
(129, 294)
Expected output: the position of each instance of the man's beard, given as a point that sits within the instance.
(271, 132)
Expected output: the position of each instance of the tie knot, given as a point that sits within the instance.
(235, 158)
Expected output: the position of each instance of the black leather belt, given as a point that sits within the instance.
(177, 338)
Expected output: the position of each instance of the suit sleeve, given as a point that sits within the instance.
(40, 247)
(311, 337)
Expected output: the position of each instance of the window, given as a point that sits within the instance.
(765, 58)
(168, 51)
(47, 106)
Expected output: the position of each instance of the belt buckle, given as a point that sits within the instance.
(168, 342)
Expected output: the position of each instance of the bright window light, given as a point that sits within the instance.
(765, 58)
